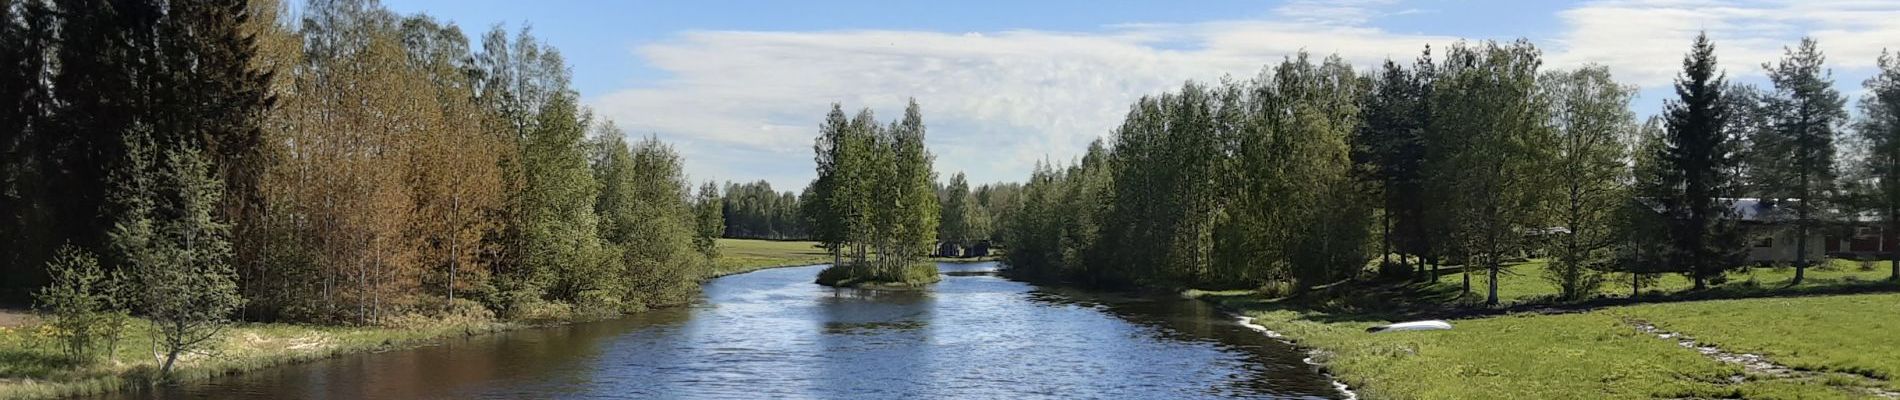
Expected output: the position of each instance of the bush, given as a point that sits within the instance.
(84, 304)
(1392, 271)
(844, 275)
(542, 311)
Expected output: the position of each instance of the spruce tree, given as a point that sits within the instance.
(1698, 159)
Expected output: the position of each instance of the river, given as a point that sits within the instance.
(773, 334)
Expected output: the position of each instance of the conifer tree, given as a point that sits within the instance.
(1807, 111)
(1879, 129)
(1698, 161)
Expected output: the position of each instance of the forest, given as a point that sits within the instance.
(199, 162)
(1470, 157)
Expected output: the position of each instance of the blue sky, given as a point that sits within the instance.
(740, 86)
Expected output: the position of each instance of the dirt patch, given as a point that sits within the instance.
(10, 318)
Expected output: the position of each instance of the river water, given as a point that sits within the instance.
(773, 334)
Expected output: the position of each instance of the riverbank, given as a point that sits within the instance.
(1766, 340)
(32, 366)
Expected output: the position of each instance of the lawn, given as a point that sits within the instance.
(746, 255)
(1853, 334)
(1842, 344)
(1525, 282)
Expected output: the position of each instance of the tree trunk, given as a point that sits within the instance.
(1801, 229)
(1467, 272)
(1385, 232)
(1492, 299)
(1893, 255)
(454, 255)
(1636, 285)
(171, 357)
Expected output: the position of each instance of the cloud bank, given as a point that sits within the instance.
(745, 105)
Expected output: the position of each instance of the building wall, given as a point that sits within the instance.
(1778, 245)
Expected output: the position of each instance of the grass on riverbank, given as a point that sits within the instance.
(1599, 352)
(737, 256)
(1525, 283)
(747, 255)
(32, 365)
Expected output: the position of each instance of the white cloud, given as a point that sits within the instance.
(1643, 41)
(745, 105)
(995, 102)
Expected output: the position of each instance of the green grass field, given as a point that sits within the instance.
(1844, 346)
(1525, 282)
(746, 255)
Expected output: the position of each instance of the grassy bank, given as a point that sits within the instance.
(1833, 346)
(746, 255)
(32, 365)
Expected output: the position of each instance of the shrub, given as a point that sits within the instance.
(84, 304)
(1392, 271)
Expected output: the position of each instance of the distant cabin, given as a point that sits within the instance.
(958, 249)
(1769, 225)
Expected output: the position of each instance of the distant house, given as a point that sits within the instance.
(1769, 225)
(1864, 237)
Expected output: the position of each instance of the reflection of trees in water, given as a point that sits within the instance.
(874, 343)
(542, 358)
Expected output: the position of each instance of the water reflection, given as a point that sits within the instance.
(773, 334)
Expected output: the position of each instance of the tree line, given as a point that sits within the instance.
(191, 162)
(1475, 157)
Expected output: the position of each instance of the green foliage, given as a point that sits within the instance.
(755, 211)
(909, 276)
(1879, 130)
(1697, 158)
(661, 264)
(874, 194)
(957, 220)
(1389, 148)
(1239, 185)
(178, 251)
(1806, 114)
(1590, 114)
(87, 304)
(709, 220)
(562, 253)
(1490, 149)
